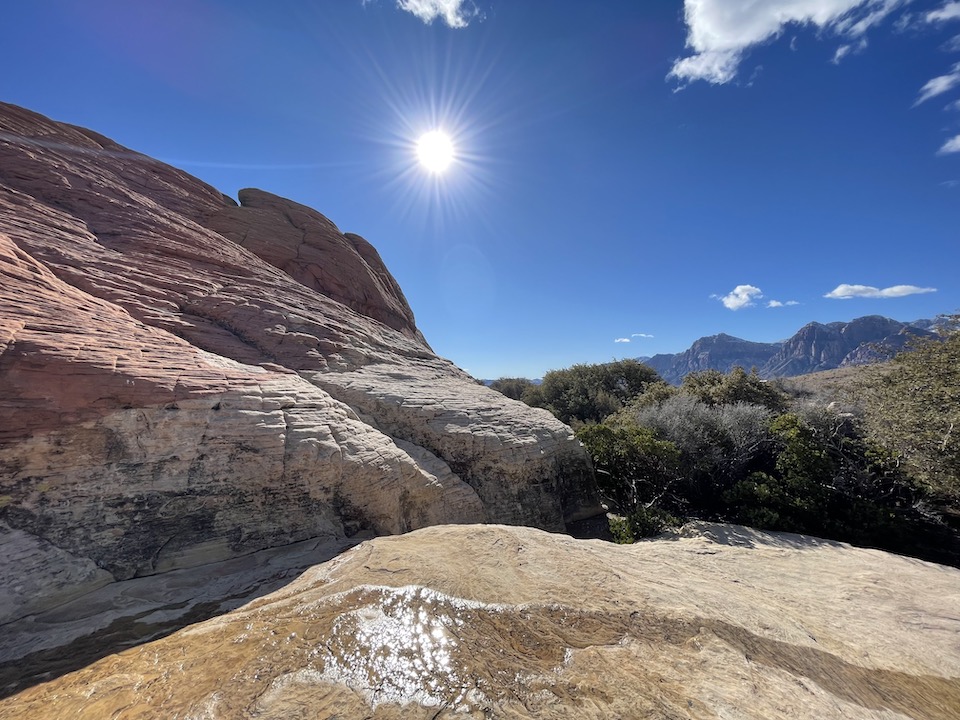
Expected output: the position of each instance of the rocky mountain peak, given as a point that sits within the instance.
(815, 346)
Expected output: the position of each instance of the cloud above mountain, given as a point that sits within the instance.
(847, 292)
(630, 339)
(740, 297)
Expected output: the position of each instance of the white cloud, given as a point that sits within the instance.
(846, 292)
(950, 146)
(740, 297)
(952, 45)
(642, 335)
(950, 11)
(845, 50)
(841, 53)
(939, 85)
(622, 340)
(455, 13)
(777, 303)
(720, 32)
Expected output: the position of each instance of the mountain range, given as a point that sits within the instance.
(814, 347)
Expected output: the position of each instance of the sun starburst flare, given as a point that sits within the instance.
(435, 151)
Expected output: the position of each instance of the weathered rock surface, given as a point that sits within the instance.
(184, 381)
(499, 622)
(717, 352)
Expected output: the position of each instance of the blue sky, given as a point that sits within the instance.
(646, 171)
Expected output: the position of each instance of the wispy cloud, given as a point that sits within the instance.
(950, 11)
(845, 50)
(777, 303)
(841, 53)
(630, 339)
(950, 146)
(455, 13)
(846, 292)
(740, 297)
(721, 32)
(939, 85)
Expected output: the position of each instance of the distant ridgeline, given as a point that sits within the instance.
(813, 348)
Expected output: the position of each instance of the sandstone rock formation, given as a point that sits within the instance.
(497, 622)
(184, 380)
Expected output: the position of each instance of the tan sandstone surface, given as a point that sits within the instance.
(185, 381)
(506, 622)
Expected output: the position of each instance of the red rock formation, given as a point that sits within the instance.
(185, 380)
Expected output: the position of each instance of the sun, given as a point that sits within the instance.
(435, 151)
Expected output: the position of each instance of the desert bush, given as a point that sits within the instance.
(914, 411)
(513, 388)
(590, 393)
(634, 469)
(718, 444)
(716, 388)
(642, 523)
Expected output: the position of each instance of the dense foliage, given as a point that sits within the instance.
(590, 393)
(732, 447)
(914, 410)
(514, 388)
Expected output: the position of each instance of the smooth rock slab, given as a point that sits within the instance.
(505, 622)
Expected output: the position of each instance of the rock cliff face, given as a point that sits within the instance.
(498, 622)
(818, 347)
(184, 380)
(717, 352)
(813, 348)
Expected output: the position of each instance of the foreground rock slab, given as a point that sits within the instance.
(504, 622)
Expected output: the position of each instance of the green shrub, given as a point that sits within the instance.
(633, 467)
(641, 523)
(590, 393)
(716, 388)
(914, 411)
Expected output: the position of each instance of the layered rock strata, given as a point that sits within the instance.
(184, 380)
(499, 622)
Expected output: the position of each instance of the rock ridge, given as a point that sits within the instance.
(815, 347)
(186, 380)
